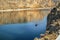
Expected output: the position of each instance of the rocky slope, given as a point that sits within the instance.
(53, 25)
(13, 4)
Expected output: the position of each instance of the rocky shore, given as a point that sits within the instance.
(53, 25)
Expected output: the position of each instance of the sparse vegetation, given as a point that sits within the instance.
(13, 4)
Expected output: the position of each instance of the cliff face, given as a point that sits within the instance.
(23, 16)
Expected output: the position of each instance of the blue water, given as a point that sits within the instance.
(24, 31)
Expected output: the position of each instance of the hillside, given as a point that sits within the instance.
(23, 16)
(13, 4)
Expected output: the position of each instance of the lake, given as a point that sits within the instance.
(23, 31)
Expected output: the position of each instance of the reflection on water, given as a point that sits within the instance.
(24, 31)
(22, 16)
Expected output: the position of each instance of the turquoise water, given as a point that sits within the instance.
(24, 31)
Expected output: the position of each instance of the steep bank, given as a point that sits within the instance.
(23, 16)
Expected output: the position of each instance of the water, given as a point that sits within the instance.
(24, 31)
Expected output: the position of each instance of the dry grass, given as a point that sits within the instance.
(13, 4)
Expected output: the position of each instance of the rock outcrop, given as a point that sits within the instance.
(53, 25)
(52, 20)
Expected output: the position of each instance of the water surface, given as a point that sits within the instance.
(24, 31)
